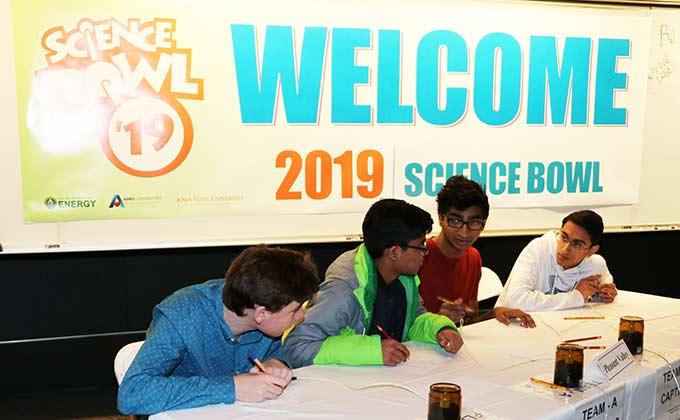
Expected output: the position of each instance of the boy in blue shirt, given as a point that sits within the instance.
(200, 342)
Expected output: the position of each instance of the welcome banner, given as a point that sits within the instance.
(177, 108)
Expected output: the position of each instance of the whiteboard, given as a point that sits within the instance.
(658, 206)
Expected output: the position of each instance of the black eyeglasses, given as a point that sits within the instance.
(457, 223)
(423, 249)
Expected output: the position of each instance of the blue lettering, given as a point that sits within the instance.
(497, 171)
(427, 77)
(257, 94)
(572, 77)
(510, 79)
(579, 175)
(411, 172)
(450, 170)
(461, 167)
(389, 80)
(577, 178)
(478, 173)
(513, 177)
(597, 187)
(433, 170)
(555, 181)
(607, 80)
(346, 75)
(535, 182)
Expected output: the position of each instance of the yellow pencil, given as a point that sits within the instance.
(574, 340)
(445, 300)
(450, 302)
(259, 364)
(582, 317)
(261, 367)
(549, 385)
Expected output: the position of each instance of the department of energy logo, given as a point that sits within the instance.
(116, 201)
(69, 203)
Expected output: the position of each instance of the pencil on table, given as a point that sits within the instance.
(549, 385)
(582, 317)
(573, 340)
(594, 347)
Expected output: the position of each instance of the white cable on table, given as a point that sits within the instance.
(361, 388)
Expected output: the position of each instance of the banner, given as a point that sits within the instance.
(151, 109)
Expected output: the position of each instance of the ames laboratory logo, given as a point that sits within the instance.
(122, 201)
(69, 203)
(117, 201)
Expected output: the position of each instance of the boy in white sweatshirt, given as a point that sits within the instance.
(561, 269)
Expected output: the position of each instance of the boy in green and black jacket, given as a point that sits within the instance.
(373, 288)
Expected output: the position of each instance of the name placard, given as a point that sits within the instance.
(615, 360)
(667, 393)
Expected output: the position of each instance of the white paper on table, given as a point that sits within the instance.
(425, 361)
(511, 346)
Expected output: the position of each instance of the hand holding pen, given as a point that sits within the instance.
(455, 310)
(393, 352)
(259, 384)
(271, 367)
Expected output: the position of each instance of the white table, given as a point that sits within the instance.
(493, 369)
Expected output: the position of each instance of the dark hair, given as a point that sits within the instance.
(588, 220)
(392, 222)
(461, 194)
(271, 277)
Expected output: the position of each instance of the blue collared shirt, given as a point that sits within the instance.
(190, 355)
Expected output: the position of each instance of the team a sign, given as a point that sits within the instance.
(322, 111)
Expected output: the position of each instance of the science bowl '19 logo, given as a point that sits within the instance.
(135, 75)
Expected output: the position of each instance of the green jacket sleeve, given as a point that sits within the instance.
(427, 325)
(351, 349)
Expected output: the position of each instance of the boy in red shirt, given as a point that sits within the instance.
(452, 269)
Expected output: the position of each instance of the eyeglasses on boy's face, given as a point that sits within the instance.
(577, 244)
(472, 224)
(423, 249)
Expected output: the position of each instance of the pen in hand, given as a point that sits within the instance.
(259, 364)
(458, 303)
(383, 333)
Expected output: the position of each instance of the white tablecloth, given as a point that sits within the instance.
(493, 370)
